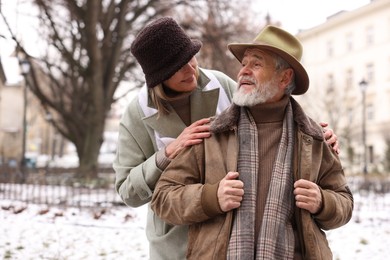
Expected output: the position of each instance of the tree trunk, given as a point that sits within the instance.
(88, 151)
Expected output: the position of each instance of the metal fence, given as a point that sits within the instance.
(58, 187)
(55, 186)
(377, 184)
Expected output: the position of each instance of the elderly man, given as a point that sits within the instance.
(265, 184)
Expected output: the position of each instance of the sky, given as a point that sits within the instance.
(50, 232)
(304, 14)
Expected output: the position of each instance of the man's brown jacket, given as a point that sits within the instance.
(187, 191)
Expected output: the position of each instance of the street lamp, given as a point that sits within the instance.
(25, 69)
(363, 87)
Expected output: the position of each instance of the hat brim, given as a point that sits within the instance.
(301, 76)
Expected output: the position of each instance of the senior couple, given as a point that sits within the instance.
(232, 171)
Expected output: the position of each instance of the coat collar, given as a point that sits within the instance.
(305, 123)
(203, 105)
(228, 120)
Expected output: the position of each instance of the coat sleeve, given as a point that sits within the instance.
(336, 195)
(136, 172)
(181, 197)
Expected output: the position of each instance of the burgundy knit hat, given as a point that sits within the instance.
(162, 48)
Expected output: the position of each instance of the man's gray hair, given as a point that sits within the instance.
(281, 64)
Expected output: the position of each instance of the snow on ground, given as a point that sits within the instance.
(367, 235)
(38, 232)
(72, 234)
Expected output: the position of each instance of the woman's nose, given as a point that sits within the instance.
(188, 67)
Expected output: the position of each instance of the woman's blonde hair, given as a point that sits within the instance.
(158, 98)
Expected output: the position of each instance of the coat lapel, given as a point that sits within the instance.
(167, 125)
(203, 104)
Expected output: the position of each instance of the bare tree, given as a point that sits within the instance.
(88, 55)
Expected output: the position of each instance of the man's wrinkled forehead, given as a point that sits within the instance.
(257, 53)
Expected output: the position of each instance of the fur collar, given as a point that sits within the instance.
(228, 120)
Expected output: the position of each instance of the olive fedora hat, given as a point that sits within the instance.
(284, 44)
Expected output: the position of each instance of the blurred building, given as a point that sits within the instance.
(40, 136)
(351, 48)
(11, 104)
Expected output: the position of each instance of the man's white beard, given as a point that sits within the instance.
(259, 95)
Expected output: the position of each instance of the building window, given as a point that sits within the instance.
(349, 42)
(388, 28)
(349, 79)
(329, 47)
(388, 71)
(369, 35)
(330, 84)
(350, 113)
(371, 154)
(370, 112)
(370, 72)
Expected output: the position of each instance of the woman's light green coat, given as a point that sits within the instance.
(135, 163)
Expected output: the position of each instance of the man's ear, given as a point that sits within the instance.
(287, 77)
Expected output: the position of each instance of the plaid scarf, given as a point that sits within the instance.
(276, 237)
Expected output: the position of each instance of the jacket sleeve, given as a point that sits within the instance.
(135, 167)
(181, 197)
(336, 196)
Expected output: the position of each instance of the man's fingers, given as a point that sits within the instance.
(302, 183)
(307, 195)
(237, 192)
(231, 176)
